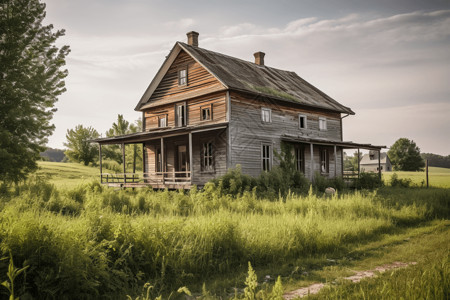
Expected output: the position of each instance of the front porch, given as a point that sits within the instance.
(173, 158)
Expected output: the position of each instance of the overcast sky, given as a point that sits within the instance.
(387, 60)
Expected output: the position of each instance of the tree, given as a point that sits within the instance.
(405, 156)
(80, 147)
(31, 79)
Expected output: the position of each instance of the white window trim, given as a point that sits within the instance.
(305, 122)
(264, 109)
(325, 128)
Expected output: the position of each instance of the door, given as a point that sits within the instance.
(182, 162)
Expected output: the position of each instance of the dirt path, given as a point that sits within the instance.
(315, 288)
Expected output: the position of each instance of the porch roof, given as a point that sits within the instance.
(156, 133)
(344, 144)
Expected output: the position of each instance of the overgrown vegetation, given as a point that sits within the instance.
(93, 241)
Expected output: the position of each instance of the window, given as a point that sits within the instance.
(266, 115)
(205, 113)
(324, 163)
(207, 157)
(162, 121)
(302, 121)
(300, 159)
(322, 124)
(158, 160)
(180, 111)
(182, 77)
(266, 157)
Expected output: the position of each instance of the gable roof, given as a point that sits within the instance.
(365, 160)
(240, 75)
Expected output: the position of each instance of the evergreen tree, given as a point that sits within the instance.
(31, 79)
(80, 147)
(405, 156)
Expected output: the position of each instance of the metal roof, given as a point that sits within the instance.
(344, 144)
(140, 137)
(240, 75)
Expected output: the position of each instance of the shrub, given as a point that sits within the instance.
(399, 182)
(369, 181)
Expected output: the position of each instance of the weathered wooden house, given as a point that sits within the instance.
(369, 162)
(205, 112)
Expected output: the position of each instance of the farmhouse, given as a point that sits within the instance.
(205, 112)
(369, 162)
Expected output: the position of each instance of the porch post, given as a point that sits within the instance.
(359, 165)
(191, 168)
(162, 161)
(335, 162)
(312, 161)
(124, 166)
(379, 163)
(100, 160)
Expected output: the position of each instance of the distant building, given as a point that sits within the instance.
(369, 162)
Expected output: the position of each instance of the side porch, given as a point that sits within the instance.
(326, 157)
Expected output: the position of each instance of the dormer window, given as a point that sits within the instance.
(322, 124)
(302, 122)
(182, 77)
(266, 115)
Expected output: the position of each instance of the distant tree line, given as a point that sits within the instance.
(436, 160)
(54, 155)
(80, 147)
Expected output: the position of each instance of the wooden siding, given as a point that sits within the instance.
(199, 82)
(217, 101)
(217, 137)
(248, 132)
(219, 142)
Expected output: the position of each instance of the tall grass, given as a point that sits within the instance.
(92, 241)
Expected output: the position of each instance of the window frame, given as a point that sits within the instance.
(162, 117)
(269, 110)
(185, 77)
(324, 159)
(305, 122)
(323, 120)
(300, 159)
(177, 117)
(266, 161)
(207, 154)
(204, 107)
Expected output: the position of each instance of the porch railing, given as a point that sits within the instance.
(155, 178)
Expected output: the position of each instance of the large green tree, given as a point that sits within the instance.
(405, 156)
(31, 79)
(80, 148)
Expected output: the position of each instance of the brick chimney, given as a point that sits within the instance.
(259, 58)
(192, 38)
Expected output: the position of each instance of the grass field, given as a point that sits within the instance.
(438, 177)
(67, 175)
(82, 240)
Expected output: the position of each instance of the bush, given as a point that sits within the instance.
(369, 181)
(398, 182)
(320, 183)
(234, 183)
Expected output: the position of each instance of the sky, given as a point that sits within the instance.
(388, 60)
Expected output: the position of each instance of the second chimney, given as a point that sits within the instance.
(259, 58)
(192, 38)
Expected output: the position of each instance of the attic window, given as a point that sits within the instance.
(182, 77)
